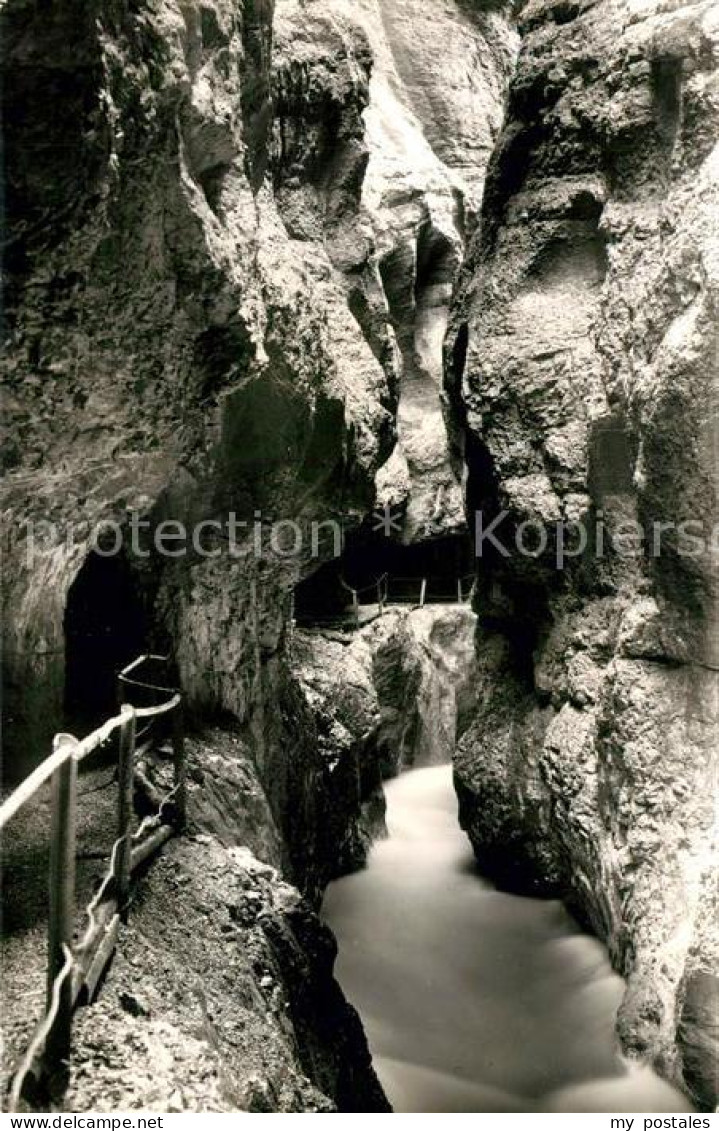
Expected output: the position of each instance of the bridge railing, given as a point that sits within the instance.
(373, 594)
(74, 968)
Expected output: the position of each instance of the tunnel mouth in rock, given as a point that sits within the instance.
(371, 561)
(106, 627)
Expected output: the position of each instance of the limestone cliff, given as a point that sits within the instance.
(200, 325)
(392, 696)
(221, 999)
(233, 230)
(199, 328)
(413, 155)
(582, 366)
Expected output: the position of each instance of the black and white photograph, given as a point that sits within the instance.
(360, 562)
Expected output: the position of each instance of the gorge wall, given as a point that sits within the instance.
(199, 324)
(221, 998)
(229, 273)
(582, 367)
(224, 263)
(394, 695)
(428, 131)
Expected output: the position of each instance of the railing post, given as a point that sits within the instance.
(459, 591)
(423, 593)
(124, 804)
(356, 606)
(178, 751)
(61, 919)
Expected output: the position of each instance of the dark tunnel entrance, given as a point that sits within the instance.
(105, 628)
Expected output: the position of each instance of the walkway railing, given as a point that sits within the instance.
(74, 969)
(373, 594)
(415, 591)
(430, 591)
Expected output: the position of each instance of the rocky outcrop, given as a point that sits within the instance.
(221, 998)
(411, 148)
(228, 274)
(199, 341)
(335, 676)
(221, 189)
(430, 141)
(173, 353)
(393, 695)
(582, 369)
(423, 669)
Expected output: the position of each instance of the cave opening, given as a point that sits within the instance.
(105, 628)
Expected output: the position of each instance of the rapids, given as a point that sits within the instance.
(472, 999)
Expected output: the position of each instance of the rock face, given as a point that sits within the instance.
(221, 999)
(393, 695)
(581, 366)
(198, 328)
(173, 354)
(413, 154)
(207, 281)
(205, 297)
(228, 274)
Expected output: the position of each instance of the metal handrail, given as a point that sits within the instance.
(29, 787)
(149, 656)
(421, 594)
(363, 588)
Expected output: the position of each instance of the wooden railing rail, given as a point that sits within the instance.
(74, 970)
(391, 589)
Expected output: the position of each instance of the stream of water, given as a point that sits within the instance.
(474, 1000)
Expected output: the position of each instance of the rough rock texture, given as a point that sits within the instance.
(393, 695)
(228, 273)
(412, 150)
(199, 324)
(336, 679)
(582, 369)
(172, 352)
(221, 998)
(198, 329)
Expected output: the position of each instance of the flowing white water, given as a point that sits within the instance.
(474, 1000)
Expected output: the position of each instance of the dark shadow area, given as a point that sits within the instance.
(369, 554)
(105, 628)
(368, 557)
(436, 260)
(611, 460)
(55, 139)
